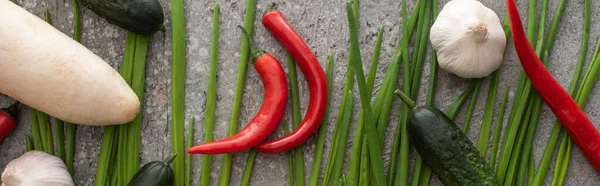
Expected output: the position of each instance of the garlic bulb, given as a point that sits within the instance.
(36, 168)
(468, 38)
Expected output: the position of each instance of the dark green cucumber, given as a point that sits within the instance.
(155, 173)
(139, 16)
(444, 147)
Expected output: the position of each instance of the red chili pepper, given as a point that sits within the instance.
(8, 120)
(315, 77)
(268, 117)
(573, 119)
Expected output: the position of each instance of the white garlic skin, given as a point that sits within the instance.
(468, 38)
(36, 168)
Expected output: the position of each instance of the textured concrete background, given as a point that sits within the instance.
(323, 25)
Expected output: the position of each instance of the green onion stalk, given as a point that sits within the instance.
(289, 157)
(372, 138)
(188, 157)
(296, 119)
(211, 97)
(402, 52)
(535, 106)
(472, 104)
(120, 148)
(545, 161)
(414, 81)
(178, 68)
(518, 109)
(339, 126)
(35, 131)
(564, 153)
(72, 128)
(28, 143)
(318, 155)
(355, 157)
(341, 141)
(498, 130)
(422, 173)
(239, 89)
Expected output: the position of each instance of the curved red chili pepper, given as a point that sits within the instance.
(573, 119)
(7, 120)
(315, 77)
(268, 117)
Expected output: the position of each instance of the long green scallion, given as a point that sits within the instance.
(119, 152)
(373, 138)
(581, 98)
(483, 140)
(132, 141)
(318, 156)
(41, 122)
(583, 93)
(536, 106)
(433, 68)
(403, 50)
(549, 150)
(331, 160)
(296, 119)
(565, 149)
(341, 141)
(239, 88)
(498, 129)
(486, 124)
(402, 177)
(392, 177)
(471, 106)
(211, 97)
(519, 107)
(500, 120)
(60, 138)
(122, 139)
(289, 157)
(35, 131)
(137, 84)
(28, 143)
(72, 128)
(248, 168)
(353, 172)
(422, 177)
(188, 157)
(453, 109)
(178, 88)
(338, 128)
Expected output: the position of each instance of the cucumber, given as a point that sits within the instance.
(139, 16)
(444, 147)
(155, 173)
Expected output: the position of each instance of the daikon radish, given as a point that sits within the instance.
(45, 69)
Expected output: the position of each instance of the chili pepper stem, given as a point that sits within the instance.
(12, 110)
(255, 52)
(271, 7)
(405, 99)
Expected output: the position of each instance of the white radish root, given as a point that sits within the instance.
(47, 70)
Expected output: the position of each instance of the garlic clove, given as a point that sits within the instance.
(36, 168)
(468, 38)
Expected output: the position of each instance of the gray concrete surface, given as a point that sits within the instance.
(324, 27)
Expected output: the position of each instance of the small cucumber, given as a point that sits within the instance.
(155, 173)
(444, 147)
(139, 16)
